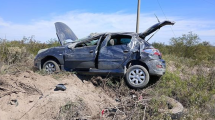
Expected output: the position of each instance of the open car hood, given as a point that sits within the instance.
(64, 33)
(155, 27)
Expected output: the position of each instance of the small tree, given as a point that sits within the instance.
(185, 45)
(190, 39)
(189, 46)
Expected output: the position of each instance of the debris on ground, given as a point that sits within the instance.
(60, 87)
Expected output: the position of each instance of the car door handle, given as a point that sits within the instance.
(125, 51)
(91, 51)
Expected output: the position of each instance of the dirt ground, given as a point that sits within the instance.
(31, 96)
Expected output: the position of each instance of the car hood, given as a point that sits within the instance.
(155, 27)
(64, 33)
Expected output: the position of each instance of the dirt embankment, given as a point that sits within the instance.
(29, 95)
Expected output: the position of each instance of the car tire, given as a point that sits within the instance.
(51, 66)
(137, 77)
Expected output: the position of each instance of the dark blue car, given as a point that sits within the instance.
(123, 53)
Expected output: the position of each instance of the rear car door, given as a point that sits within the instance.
(114, 51)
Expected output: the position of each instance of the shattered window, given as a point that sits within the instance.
(89, 43)
(93, 42)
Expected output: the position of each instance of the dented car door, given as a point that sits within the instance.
(111, 57)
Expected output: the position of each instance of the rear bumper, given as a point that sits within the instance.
(156, 67)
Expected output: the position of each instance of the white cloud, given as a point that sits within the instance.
(83, 23)
(3, 23)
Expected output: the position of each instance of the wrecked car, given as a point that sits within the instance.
(125, 54)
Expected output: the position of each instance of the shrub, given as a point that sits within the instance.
(189, 46)
(16, 50)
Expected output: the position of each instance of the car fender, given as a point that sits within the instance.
(55, 52)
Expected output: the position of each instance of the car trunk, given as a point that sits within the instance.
(154, 28)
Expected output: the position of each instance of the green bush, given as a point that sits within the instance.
(189, 46)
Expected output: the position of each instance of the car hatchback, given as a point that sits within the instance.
(122, 53)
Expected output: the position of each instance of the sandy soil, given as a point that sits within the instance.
(29, 95)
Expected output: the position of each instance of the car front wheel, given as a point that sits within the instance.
(137, 77)
(51, 66)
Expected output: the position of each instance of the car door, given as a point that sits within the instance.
(81, 57)
(112, 56)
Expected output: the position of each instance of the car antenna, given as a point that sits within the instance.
(157, 18)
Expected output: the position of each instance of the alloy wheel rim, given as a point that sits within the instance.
(50, 68)
(137, 76)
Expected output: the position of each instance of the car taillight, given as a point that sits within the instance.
(153, 51)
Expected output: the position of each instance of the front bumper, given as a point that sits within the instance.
(37, 65)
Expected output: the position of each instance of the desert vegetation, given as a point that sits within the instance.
(189, 79)
(19, 54)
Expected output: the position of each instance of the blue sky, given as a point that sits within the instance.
(20, 18)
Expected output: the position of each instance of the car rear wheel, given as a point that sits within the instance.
(137, 77)
(51, 66)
